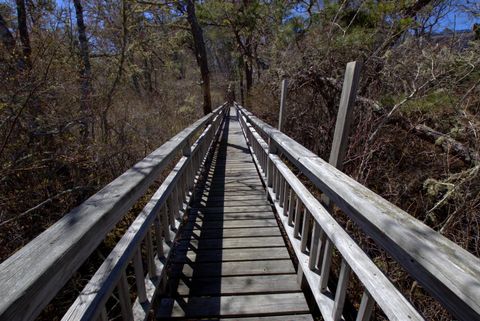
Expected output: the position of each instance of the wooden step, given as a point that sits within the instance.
(264, 267)
(242, 305)
(231, 243)
(234, 285)
(218, 224)
(230, 255)
(215, 233)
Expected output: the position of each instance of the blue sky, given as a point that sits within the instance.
(455, 20)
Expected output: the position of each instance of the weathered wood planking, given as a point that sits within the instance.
(231, 243)
(193, 269)
(31, 277)
(239, 305)
(448, 272)
(231, 246)
(209, 224)
(233, 285)
(233, 216)
(227, 233)
(293, 317)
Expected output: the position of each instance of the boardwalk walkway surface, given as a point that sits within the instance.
(231, 261)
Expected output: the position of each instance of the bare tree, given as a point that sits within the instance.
(23, 30)
(85, 71)
(6, 36)
(201, 55)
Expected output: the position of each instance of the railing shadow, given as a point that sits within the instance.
(198, 259)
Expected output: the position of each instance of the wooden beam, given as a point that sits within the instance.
(345, 114)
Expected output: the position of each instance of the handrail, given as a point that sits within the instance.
(448, 272)
(31, 277)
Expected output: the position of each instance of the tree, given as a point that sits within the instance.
(23, 30)
(6, 36)
(85, 71)
(200, 54)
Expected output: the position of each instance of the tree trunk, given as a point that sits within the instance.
(85, 72)
(242, 91)
(248, 75)
(201, 55)
(116, 81)
(23, 30)
(6, 36)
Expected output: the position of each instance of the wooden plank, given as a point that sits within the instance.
(291, 317)
(232, 209)
(234, 178)
(234, 285)
(251, 184)
(232, 216)
(233, 268)
(229, 255)
(234, 189)
(242, 305)
(228, 193)
(252, 232)
(231, 243)
(211, 224)
(345, 114)
(233, 197)
(230, 203)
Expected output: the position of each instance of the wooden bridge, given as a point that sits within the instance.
(232, 233)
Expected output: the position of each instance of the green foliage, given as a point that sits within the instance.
(434, 103)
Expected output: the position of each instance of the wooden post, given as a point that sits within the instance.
(345, 114)
(283, 98)
(339, 148)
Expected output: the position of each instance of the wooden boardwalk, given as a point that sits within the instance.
(231, 261)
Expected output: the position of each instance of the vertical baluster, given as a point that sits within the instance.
(124, 298)
(264, 162)
(139, 277)
(321, 247)
(341, 291)
(164, 223)
(189, 175)
(298, 216)
(366, 307)
(280, 191)
(103, 315)
(274, 179)
(291, 206)
(277, 184)
(152, 269)
(314, 246)
(180, 193)
(176, 205)
(269, 172)
(326, 263)
(171, 212)
(305, 229)
(158, 234)
(286, 198)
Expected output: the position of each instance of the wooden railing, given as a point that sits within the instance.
(448, 272)
(35, 274)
